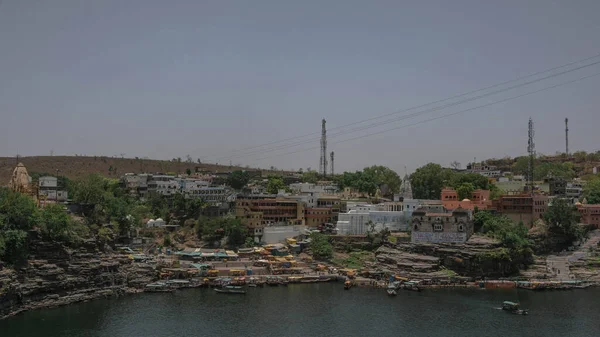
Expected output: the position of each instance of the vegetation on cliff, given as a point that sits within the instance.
(429, 180)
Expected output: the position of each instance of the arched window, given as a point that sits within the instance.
(416, 227)
(461, 228)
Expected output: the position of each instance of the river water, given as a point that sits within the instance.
(318, 310)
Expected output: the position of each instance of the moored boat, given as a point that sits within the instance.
(158, 287)
(347, 285)
(230, 290)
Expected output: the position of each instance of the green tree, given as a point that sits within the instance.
(561, 218)
(427, 181)
(90, 190)
(275, 184)
(477, 181)
(238, 179)
(383, 176)
(18, 211)
(249, 243)
(310, 177)
(591, 191)
(236, 232)
(14, 246)
(320, 246)
(55, 222)
(465, 190)
(188, 171)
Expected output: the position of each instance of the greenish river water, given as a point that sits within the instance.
(318, 310)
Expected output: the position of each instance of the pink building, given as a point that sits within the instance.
(590, 214)
(479, 199)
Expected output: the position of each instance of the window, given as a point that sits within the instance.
(416, 227)
(461, 228)
(437, 227)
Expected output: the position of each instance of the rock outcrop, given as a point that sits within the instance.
(56, 275)
(479, 257)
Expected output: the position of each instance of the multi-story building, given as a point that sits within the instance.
(165, 185)
(317, 216)
(274, 210)
(479, 198)
(323, 188)
(441, 227)
(135, 184)
(590, 214)
(489, 171)
(394, 216)
(49, 189)
(524, 207)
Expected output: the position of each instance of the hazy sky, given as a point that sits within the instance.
(165, 79)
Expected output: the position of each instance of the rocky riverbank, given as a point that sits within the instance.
(56, 275)
(479, 257)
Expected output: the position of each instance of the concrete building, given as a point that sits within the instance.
(135, 184)
(441, 227)
(394, 216)
(590, 214)
(479, 198)
(299, 188)
(524, 207)
(165, 185)
(49, 190)
(318, 216)
(510, 186)
(273, 209)
(488, 171)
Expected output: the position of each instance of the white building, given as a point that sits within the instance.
(163, 184)
(301, 188)
(394, 216)
(48, 187)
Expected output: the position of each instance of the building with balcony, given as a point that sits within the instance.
(270, 210)
(429, 226)
(479, 198)
(590, 214)
(524, 207)
(49, 190)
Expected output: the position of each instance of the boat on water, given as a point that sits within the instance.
(158, 287)
(272, 281)
(411, 285)
(392, 288)
(347, 285)
(230, 290)
(514, 308)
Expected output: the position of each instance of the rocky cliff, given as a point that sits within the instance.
(56, 275)
(479, 257)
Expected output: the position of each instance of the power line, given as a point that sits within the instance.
(414, 107)
(440, 117)
(414, 114)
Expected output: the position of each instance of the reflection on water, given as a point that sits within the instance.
(318, 310)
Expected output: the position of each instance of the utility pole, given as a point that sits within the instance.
(531, 151)
(332, 154)
(323, 160)
(567, 136)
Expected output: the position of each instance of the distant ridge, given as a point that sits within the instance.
(80, 166)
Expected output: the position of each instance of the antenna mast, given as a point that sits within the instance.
(331, 155)
(567, 136)
(323, 162)
(531, 151)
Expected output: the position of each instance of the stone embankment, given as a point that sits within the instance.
(56, 275)
(479, 257)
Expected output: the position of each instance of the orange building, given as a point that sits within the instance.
(316, 217)
(524, 207)
(479, 199)
(590, 214)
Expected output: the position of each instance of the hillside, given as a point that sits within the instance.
(78, 166)
(580, 162)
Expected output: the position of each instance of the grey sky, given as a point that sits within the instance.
(168, 78)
